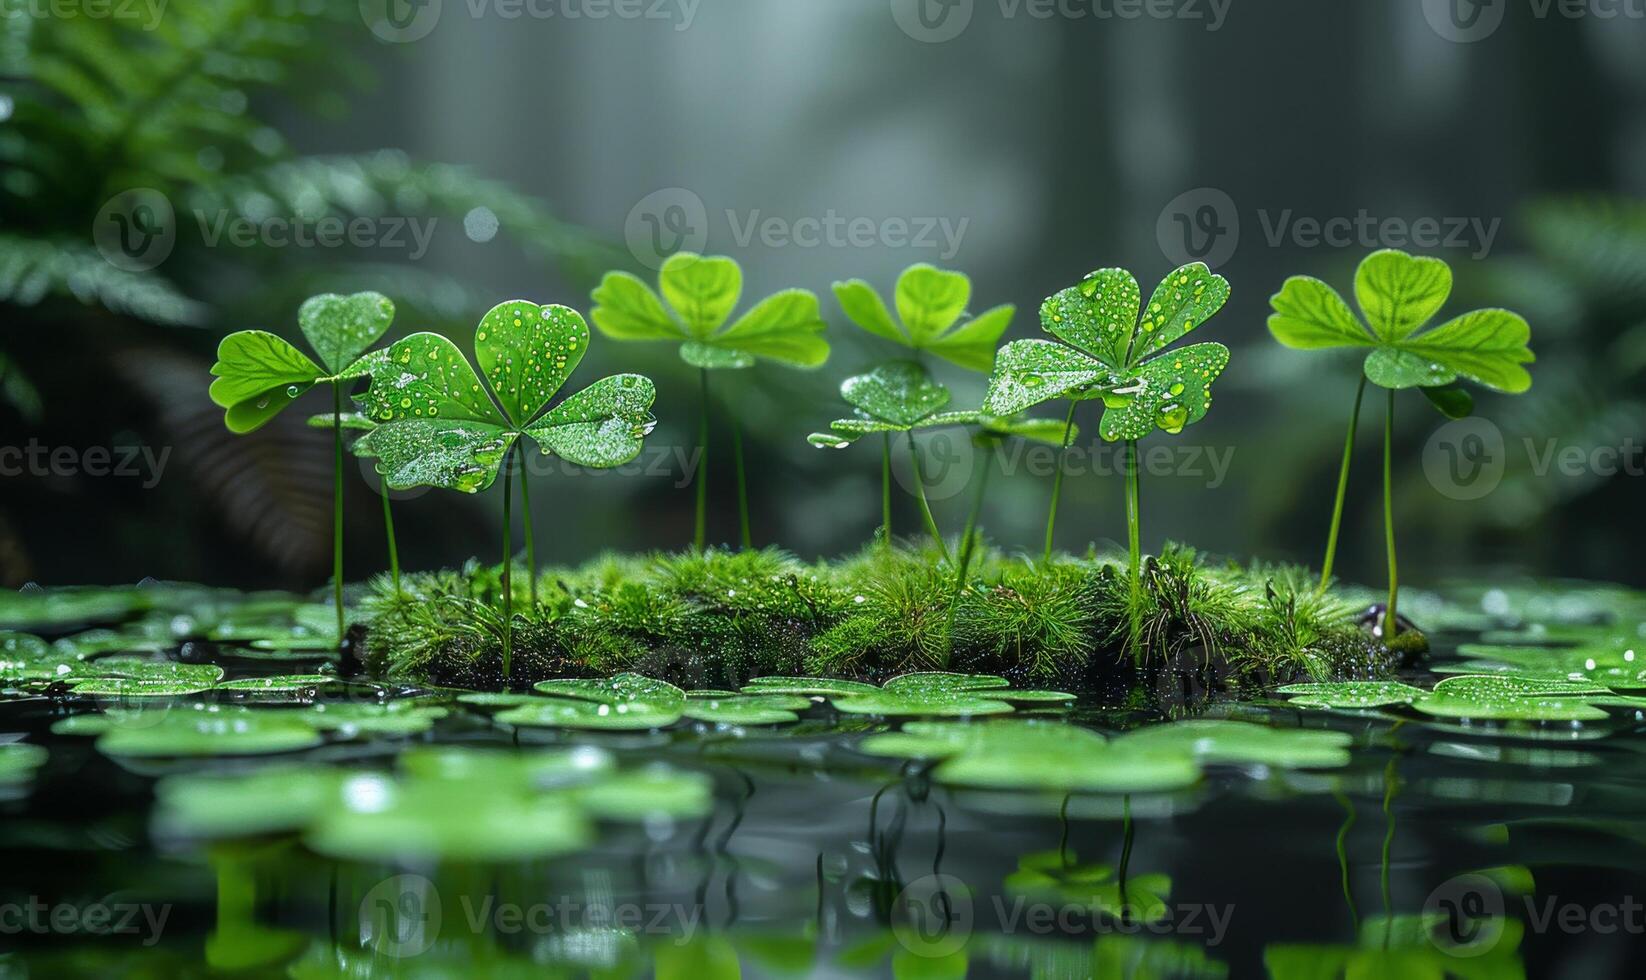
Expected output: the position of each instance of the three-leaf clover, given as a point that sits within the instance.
(901, 396)
(1398, 295)
(702, 292)
(931, 303)
(1107, 350)
(258, 374)
(437, 427)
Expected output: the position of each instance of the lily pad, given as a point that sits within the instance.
(272, 800)
(1239, 742)
(549, 712)
(394, 718)
(1057, 878)
(1619, 665)
(747, 709)
(19, 761)
(815, 686)
(1014, 754)
(380, 818)
(279, 684)
(619, 689)
(1352, 694)
(647, 794)
(210, 730)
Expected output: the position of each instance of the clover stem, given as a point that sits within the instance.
(388, 528)
(700, 535)
(920, 497)
(508, 563)
(1057, 481)
(337, 502)
(1389, 622)
(744, 538)
(1342, 489)
(1127, 833)
(1134, 516)
(886, 488)
(967, 539)
(526, 526)
(1343, 855)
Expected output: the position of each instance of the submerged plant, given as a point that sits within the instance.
(930, 305)
(700, 294)
(1107, 351)
(258, 374)
(437, 427)
(1398, 294)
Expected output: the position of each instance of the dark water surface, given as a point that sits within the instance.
(1441, 849)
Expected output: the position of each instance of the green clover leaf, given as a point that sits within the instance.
(930, 304)
(436, 425)
(901, 396)
(258, 374)
(1398, 294)
(699, 295)
(1112, 346)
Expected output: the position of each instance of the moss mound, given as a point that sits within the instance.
(714, 619)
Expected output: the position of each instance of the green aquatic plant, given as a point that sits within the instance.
(258, 374)
(1111, 346)
(699, 295)
(902, 397)
(931, 309)
(358, 422)
(931, 304)
(437, 426)
(1398, 295)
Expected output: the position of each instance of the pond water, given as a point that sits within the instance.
(185, 825)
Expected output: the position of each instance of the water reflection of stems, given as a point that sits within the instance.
(1343, 854)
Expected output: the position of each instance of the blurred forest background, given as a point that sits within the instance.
(531, 145)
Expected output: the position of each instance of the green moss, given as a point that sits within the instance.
(713, 619)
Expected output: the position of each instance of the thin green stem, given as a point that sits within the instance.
(1057, 481)
(1390, 624)
(526, 526)
(388, 528)
(1134, 515)
(1343, 855)
(1342, 488)
(920, 497)
(968, 539)
(1391, 782)
(508, 565)
(886, 488)
(745, 539)
(337, 502)
(701, 534)
(1125, 848)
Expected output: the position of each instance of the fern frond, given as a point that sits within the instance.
(32, 271)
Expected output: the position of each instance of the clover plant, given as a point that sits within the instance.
(438, 427)
(1103, 349)
(358, 422)
(902, 397)
(931, 304)
(258, 374)
(1398, 294)
(699, 295)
